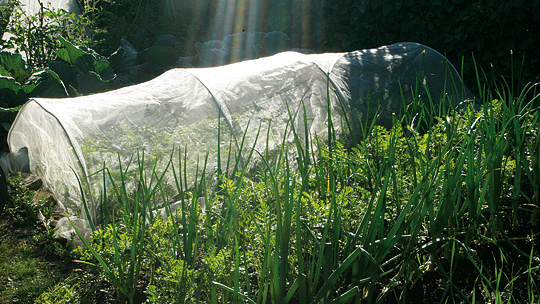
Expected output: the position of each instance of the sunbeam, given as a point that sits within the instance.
(301, 20)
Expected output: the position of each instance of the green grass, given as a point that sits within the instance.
(446, 214)
(23, 276)
(30, 259)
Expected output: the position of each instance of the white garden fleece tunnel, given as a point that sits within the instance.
(198, 112)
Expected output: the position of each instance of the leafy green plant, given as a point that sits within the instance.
(36, 35)
(174, 284)
(120, 249)
(15, 80)
(6, 8)
(76, 71)
(17, 83)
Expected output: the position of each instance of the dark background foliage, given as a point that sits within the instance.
(488, 29)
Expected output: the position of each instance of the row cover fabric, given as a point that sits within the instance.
(252, 104)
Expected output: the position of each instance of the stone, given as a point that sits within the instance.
(31, 182)
(47, 198)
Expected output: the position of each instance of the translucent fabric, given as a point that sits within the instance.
(192, 114)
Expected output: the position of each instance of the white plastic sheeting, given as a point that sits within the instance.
(183, 109)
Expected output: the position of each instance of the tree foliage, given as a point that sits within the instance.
(491, 30)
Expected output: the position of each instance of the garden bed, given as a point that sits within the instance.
(403, 216)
